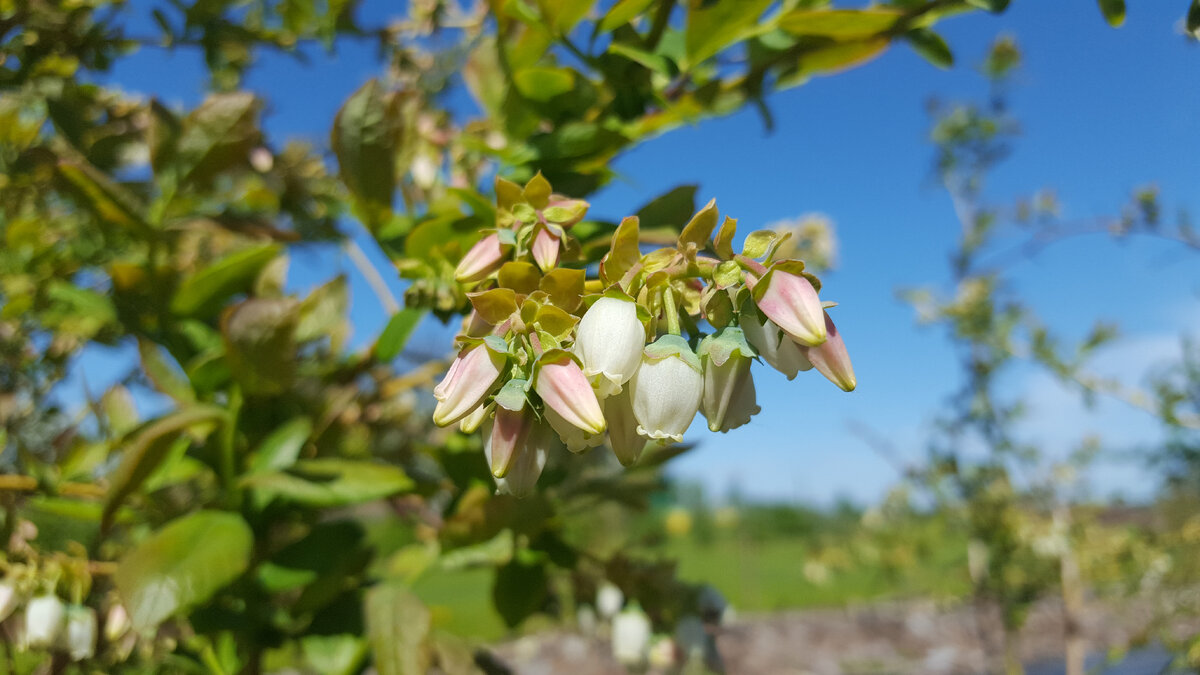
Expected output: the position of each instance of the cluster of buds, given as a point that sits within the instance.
(44, 621)
(551, 358)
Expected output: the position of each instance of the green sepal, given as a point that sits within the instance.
(512, 395)
(507, 237)
(673, 345)
(720, 347)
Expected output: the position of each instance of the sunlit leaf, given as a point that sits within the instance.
(623, 12)
(204, 292)
(282, 447)
(331, 482)
(366, 137)
(713, 26)
(164, 372)
(397, 626)
(840, 23)
(182, 565)
(931, 46)
(217, 136)
(149, 447)
(397, 332)
(1113, 11)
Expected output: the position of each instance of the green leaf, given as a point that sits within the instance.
(496, 551)
(323, 313)
(78, 311)
(622, 13)
(366, 138)
(397, 627)
(715, 25)
(1193, 18)
(931, 46)
(107, 200)
(397, 332)
(723, 244)
(625, 252)
(149, 448)
(216, 136)
(334, 654)
(757, 243)
(1113, 11)
(842, 24)
(841, 56)
(260, 343)
(324, 483)
(996, 6)
(520, 589)
(182, 565)
(700, 228)
(542, 83)
(203, 293)
(165, 373)
(281, 449)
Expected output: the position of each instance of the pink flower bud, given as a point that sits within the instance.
(471, 377)
(792, 303)
(528, 461)
(780, 351)
(508, 434)
(832, 359)
(485, 257)
(564, 388)
(545, 249)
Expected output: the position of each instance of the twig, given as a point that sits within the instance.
(371, 273)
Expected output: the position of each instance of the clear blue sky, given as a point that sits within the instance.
(1102, 111)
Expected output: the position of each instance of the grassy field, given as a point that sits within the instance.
(754, 576)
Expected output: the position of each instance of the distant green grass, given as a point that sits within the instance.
(769, 575)
(757, 576)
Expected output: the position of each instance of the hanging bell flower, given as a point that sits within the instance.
(81, 633)
(529, 458)
(563, 387)
(609, 599)
(577, 440)
(508, 436)
(545, 248)
(832, 360)
(9, 598)
(485, 257)
(774, 346)
(667, 389)
(609, 341)
(470, 378)
(726, 358)
(44, 616)
(623, 436)
(631, 636)
(791, 301)
(471, 423)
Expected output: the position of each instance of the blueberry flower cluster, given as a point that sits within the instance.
(551, 358)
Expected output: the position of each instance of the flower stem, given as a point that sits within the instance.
(671, 311)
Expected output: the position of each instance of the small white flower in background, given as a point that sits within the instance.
(609, 342)
(261, 159)
(667, 389)
(816, 573)
(773, 345)
(631, 636)
(585, 618)
(609, 600)
(116, 623)
(424, 171)
(81, 633)
(44, 617)
(9, 599)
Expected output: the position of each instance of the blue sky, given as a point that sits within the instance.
(1102, 112)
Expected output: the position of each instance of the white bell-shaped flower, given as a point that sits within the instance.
(44, 616)
(9, 598)
(667, 389)
(726, 357)
(774, 346)
(631, 636)
(609, 342)
(609, 599)
(81, 633)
